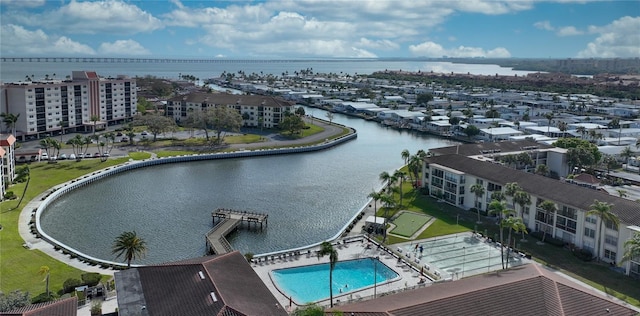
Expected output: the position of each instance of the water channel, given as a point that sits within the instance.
(308, 197)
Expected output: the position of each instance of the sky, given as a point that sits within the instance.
(277, 29)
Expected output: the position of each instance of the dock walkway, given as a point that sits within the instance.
(227, 222)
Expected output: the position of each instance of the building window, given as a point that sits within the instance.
(611, 225)
(479, 181)
(591, 219)
(590, 232)
(610, 254)
(611, 240)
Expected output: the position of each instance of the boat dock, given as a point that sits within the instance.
(226, 221)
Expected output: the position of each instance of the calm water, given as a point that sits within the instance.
(308, 197)
(308, 284)
(16, 71)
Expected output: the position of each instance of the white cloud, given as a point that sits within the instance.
(431, 49)
(107, 16)
(16, 40)
(544, 25)
(620, 39)
(568, 31)
(333, 28)
(123, 48)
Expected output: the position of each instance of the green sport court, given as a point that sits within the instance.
(408, 223)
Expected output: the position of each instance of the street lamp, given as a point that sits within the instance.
(375, 275)
(464, 254)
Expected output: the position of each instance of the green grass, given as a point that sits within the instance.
(169, 153)
(19, 266)
(595, 274)
(140, 155)
(408, 223)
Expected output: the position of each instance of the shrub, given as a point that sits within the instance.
(96, 308)
(70, 284)
(583, 254)
(548, 239)
(43, 297)
(10, 195)
(91, 279)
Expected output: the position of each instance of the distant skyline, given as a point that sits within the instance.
(276, 29)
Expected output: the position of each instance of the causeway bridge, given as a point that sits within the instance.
(167, 60)
(227, 222)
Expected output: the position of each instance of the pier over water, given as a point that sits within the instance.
(227, 222)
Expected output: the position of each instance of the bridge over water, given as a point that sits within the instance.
(163, 60)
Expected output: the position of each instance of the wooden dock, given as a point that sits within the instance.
(226, 221)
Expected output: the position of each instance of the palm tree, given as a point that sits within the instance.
(549, 208)
(522, 198)
(631, 248)
(327, 249)
(622, 193)
(542, 170)
(626, 153)
(405, 155)
(22, 174)
(415, 167)
(375, 196)
(515, 224)
(94, 119)
(510, 190)
(500, 208)
(399, 175)
(385, 178)
(602, 210)
(478, 190)
(129, 244)
(549, 117)
(44, 270)
(582, 130)
(10, 120)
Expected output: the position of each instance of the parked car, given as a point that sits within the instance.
(44, 156)
(144, 133)
(124, 139)
(119, 134)
(105, 155)
(72, 156)
(96, 155)
(62, 156)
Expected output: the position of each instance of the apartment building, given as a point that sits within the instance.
(256, 110)
(7, 161)
(451, 176)
(50, 106)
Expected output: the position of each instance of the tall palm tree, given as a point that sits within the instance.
(399, 176)
(512, 224)
(549, 117)
(129, 245)
(23, 174)
(376, 196)
(582, 131)
(478, 190)
(415, 168)
(549, 208)
(405, 155)
(94, 119)
(523, 199)
(500, 208)
(327, 249)
(626, 153)
(510, 190)
(602, 210)
(10, 121)
(631, 248)
(386, 179)
(44, 270)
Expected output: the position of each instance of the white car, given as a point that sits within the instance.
(62, 156)
(44, 156)
(72, 156)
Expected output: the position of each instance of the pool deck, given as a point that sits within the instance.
(350, 248)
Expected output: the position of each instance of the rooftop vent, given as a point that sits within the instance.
(201, 275)
(213, 297)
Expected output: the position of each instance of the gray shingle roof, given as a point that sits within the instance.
(227, 99)
(184, 288)
(547, 188)
(480, 148)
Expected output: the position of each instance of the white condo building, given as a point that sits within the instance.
(450, 176)
(55, 106)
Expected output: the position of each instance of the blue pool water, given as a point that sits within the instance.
(309, 284)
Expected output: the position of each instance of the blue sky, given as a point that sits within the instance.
(321, 28)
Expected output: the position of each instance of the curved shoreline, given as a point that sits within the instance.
(62, 252)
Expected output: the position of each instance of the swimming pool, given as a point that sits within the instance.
(309, 284)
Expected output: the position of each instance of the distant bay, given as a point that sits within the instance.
(17, 71)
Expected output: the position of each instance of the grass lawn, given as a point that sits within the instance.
(140, 155)
(408, 223)
(19, 266)
(451, 220)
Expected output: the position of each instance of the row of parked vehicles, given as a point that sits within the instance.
(63, 156)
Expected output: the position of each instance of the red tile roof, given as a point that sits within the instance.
(66, 306)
